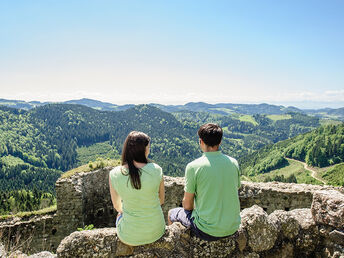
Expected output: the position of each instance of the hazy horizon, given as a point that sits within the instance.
(310, 105)
(282, 53)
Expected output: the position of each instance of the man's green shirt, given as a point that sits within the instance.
(214, 178)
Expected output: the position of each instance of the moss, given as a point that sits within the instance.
(24, 214)
(99, 163)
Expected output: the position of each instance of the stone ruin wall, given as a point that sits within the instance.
(84, 199)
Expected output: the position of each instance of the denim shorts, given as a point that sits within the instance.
(118, 219)
(184, 217)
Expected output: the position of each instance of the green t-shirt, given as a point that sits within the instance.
(214, 178)
(143, 221)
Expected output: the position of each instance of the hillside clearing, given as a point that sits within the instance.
(279, 117)
(303, 176)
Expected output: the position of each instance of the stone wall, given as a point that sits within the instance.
(270, 196)
(84, 199)
(31, 234)
(281, 234)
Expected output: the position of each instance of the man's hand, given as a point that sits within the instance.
(188, 201)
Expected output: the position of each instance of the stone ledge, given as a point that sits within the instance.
(280, 234)
(84, 199)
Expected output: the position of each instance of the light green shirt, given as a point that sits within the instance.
(143, 221)
(214, 178)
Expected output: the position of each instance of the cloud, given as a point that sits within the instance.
(335, 93)
(324, 96)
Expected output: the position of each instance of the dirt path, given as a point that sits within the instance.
(313, 172)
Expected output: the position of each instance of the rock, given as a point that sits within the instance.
(123, 249)
(284, 251)
(174, 192)
(101, 242)
(2, 251)
(219, 248)
(241, 240)
(337, 237)
(328, 208)
(43, 254)
(288, 225)
(105, 243)
(309, 235)
(262, 232)
(246, 255)
(174, 243)
(17, 254)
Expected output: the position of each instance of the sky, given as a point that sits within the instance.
(174, 52)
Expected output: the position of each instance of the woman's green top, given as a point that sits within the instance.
(142, 221)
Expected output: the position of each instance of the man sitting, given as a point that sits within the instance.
(211, 205)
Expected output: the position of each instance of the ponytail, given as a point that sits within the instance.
(134, 175)
(134, 149)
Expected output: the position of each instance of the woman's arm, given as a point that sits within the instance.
(115, 198)
(162, 192)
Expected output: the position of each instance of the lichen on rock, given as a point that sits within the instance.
(261, 230)
(328, 208)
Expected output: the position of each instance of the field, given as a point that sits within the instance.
(94, 151)
(302, 175)
(11, 161)
(334, 175)
(248, 118)
(225, 110)
(279, 117)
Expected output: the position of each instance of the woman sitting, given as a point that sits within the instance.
(137, 193)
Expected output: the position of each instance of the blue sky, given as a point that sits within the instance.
(173, 52)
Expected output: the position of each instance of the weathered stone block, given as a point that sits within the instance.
(309, 236)
(288, 225)
(328, 208)
(89, 243)
(262, 232)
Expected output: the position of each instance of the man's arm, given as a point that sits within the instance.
(189, 189)
(188, 201)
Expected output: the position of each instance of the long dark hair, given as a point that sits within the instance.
(134, 148)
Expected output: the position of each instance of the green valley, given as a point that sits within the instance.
(320, 148)
(39, 144)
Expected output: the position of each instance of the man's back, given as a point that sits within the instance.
(214, 179)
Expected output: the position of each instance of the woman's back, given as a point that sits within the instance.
(142, 221)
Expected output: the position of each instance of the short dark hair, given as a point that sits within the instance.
(211, 134)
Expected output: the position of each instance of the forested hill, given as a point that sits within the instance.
(37, 145)
(51, 133)
(319, 148)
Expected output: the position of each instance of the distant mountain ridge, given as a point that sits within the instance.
(220, 108)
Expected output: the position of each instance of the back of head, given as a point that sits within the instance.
(134, 149)
(211, 134)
